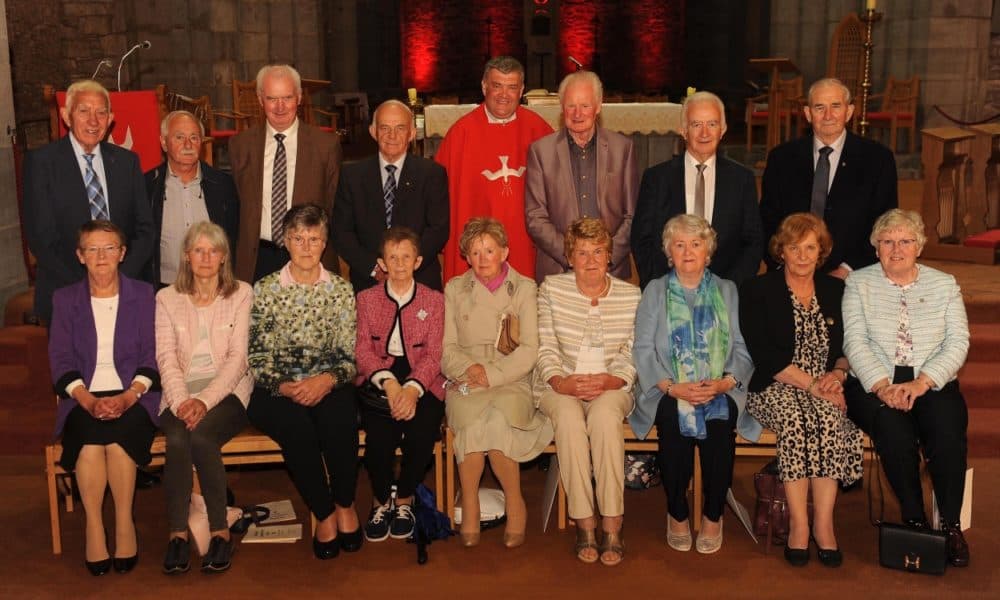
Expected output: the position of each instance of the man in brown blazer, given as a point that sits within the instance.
(580, 170)
(278, 165)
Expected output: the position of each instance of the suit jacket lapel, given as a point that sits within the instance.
(564, 175)
(603, 162)
(81, 206)
(405, 186)
(720, 210)
(843, 169)
(303, 165)
(678, 197)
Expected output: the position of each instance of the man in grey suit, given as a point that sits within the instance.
(700, 182)
(391, 188)
(582, 170)
(78, 178)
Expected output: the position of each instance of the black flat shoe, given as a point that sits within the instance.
(350, 541)
(98, 568)
(124, 565)
(219, 556)
(958, 548)
(326, 550)
(830, 558)
(178, 557)
(797, 557)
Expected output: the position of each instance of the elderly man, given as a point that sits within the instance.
(583, 170)
(277, 165)
(185, 190)
(78, 178)
(844, 179)
(391, 188)
(485, 153)
(703, 183)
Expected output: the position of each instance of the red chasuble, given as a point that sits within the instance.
(485, 163)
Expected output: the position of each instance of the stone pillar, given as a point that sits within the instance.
(13, 277)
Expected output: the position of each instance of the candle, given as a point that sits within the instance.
(412, 93)
(690, 91)
(870, 4)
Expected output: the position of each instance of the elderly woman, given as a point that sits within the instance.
(583, 383)
(201, 348)
(302, 336)
(693, 365)
(400, 328)
(104, 369)
(791, 322)
(488, 403)
(906, 336)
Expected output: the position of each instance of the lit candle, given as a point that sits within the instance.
(691, 91)
(870, 4)
(412, 92)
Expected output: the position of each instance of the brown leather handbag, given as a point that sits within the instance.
(771, 517)
(509, 337)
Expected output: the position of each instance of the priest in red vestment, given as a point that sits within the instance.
(485, 153)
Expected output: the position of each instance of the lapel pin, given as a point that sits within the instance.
(422, 315)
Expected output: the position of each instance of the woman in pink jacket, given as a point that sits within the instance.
(201, 349)
(398, 351)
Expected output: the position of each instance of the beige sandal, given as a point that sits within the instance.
(615, 544)
(586, 539)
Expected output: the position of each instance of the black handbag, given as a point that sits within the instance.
(374, 400)
(913, 549)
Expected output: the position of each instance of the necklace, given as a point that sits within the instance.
(604, 290)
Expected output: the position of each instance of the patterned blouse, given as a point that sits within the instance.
(297, 331)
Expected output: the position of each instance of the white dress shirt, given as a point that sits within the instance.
(691, 177)
(291, 143)
(838, 150)
(98, 167)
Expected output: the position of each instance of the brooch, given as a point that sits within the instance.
(422, 315)
(829, 320)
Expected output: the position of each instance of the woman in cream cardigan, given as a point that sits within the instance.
(488, 402)
(201, 349)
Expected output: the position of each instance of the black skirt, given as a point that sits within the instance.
(133, 431)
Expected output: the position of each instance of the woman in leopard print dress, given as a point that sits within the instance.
(792, 325)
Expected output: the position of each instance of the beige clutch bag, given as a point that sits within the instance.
(510, 334)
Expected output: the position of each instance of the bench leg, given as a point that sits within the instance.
(562, 501)
(439, 477)
(50, 476)
(450, 489)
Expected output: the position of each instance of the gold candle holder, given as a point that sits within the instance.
(869, 18)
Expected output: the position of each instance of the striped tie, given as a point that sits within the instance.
(279, 202)
(95, 193)
(389, 193)
(699, 191)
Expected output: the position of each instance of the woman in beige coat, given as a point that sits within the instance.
(488, 402)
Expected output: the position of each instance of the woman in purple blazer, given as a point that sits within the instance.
(101, 352)
(398, 351)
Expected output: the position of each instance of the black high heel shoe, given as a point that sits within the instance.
(797, 557)
(830, 558)
(124, 565)
(326, 550)
(98, 568)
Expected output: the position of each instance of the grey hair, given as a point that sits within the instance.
(504, 64)
(278, 71)
(306, 216)
(898, 218)
(689, 223)
(392, 102)
(167, 120)
(582, 77)
(82, 86)
(832, 81)
(699, 97)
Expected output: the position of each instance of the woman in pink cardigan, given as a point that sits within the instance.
(201, 349)
(398, 351)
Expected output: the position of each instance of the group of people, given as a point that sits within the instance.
(536, 337)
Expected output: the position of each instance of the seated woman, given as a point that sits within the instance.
(692, 364)
(101, 352)
(906, 335)
(302, 356)
(489, 404)
(201, 349)
(791, 321)
(400, 331)
(583, 383)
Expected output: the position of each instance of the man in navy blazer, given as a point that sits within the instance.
(420, 201)
(728, 198)
(184, 190)
(57, 202)
(861, 180)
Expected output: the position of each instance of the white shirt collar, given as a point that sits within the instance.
(382, 162)
(292, 130)
(403, 298)
(692, 162)
(493, 120)
(837, 145)
(78, 148)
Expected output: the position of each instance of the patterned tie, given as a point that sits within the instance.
(279, 205)
(699, 191)
(95, 193)
(389, 193)
(821, 182)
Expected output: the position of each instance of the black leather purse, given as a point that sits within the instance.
(374, 400)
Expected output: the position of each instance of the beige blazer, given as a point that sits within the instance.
(472, 324)
(176, 327)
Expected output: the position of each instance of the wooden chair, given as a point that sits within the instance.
(792, 100)
(247, 110)
(847, 54)
(898, 109)
(201, 108)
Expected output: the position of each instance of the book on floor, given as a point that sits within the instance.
(280, 511)
(273, 534)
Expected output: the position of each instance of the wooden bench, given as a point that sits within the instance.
(251, 447)
(765, 446)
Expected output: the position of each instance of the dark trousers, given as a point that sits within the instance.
(676, 460)
(201, 449)
(937, 422)
(270, 258)
(310, 436)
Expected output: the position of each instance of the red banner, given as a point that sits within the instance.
(136, 126)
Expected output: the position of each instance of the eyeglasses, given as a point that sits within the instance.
(901, 244)
(298, 240)
(97, 250)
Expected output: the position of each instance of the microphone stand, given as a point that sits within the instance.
(143, 44)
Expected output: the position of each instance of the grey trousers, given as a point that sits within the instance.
(199, 448)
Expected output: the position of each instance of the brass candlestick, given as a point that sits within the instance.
(869, 18)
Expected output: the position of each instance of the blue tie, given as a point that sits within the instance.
(389, 193)
(95, 193)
